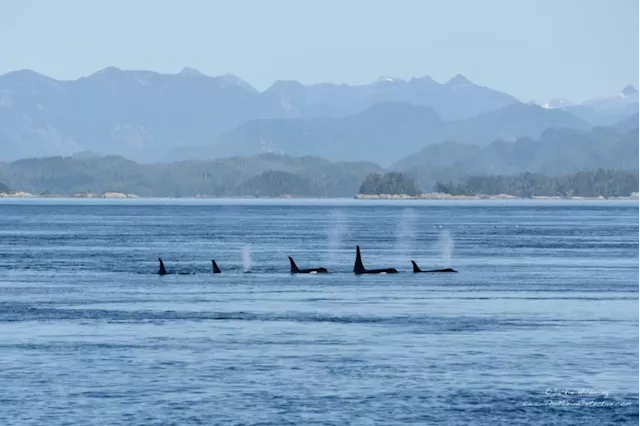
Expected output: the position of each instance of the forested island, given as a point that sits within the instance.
(266, 175)
(390, 183)
(103, 179)
(586, 184)
(599, 183)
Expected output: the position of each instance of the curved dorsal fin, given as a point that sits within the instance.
(294, 267)
(358, 267)
(162, 271)
(415, 267)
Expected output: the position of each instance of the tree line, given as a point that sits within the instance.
(394, 183)
(272, 175)
(601, 182)
(266, 175)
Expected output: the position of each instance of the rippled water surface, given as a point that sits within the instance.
(540, 325)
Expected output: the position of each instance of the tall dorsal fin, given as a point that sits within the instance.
(294, 267)
(162, 271)
(415, 267)
(216, 270)
(358, 267)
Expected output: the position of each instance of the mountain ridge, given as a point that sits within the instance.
(380, 134)
(149, 116)
(602, 111)
(143, 114)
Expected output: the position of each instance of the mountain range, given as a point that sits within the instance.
(149, 117)
(382, 134)
(558, 151)
(601, 111)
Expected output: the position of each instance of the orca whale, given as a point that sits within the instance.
(417, 269)
(296, 270)
(216, 270)
(162, 271)
(358, 267)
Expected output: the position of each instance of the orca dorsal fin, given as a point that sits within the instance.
(216, 270)
(358, 267)
(294, 267)
(415, 267)
(162, 271)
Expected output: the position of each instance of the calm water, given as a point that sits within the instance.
(545, 306)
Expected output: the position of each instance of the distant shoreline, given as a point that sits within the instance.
(448, 197)
(390, 197)
(110, 195)
(124, 196)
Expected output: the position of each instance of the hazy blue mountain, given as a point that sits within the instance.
(627, 96)
(604, 117)
(381, 134)
(512, 122)
(138, 114)
(557, 151)
(604, 111)
(458, 98)
(627, 124)
(142, 114)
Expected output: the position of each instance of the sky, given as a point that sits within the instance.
(532, 49)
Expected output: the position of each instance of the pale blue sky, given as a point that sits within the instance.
(533, 49)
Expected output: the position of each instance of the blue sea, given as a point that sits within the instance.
(538, 327)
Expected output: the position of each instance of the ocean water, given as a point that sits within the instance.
(540, 325)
